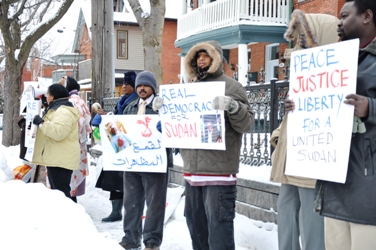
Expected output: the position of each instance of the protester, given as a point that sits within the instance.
(78, 180)
(144, 186)
(210, 175)
(112, 181)
(56, 144)
(296, 216)
(128, 96)
(350, 208)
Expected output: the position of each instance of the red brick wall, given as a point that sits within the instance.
(86, 45)
(331, 7)
(170, 54)
(257, 59)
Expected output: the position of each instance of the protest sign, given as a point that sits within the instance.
(32, 109)
(188, 119)
(319, 129)
(27, 95)
(132, 143)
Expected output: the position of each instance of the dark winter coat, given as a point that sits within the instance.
(203, 161)
(355, 201)
(123, 102)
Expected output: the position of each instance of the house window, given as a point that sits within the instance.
(88, 98)
(122, 44)
(118, 5)
(271, 61)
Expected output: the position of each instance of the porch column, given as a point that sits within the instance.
(183, 73)
(183, 6)
(242, 63)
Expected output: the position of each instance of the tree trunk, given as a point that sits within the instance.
(153, 55)
(17, 52)
(152, 25)
(12, 88)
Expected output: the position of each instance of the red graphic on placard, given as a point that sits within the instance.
(147, 131)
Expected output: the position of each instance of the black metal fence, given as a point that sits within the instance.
(267, 102)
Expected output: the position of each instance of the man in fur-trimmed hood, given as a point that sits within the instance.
(295, 201)
(214, 51)
(211, 174)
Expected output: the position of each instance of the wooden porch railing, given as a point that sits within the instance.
(223, 13)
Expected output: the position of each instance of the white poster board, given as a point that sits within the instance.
(188, 120)
(319, 129)
(132, 143)
(32, 109)
(27, 95)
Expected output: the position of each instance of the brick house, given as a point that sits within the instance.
(249, 31)
(129, 54)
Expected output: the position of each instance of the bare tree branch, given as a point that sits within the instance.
(38, 33)
(20, 10)
(137, 11)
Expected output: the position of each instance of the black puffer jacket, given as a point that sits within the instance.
(355, 201)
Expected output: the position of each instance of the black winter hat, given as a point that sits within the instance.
(58, 91)
(146, 78)
(130, 78)
(72, 84)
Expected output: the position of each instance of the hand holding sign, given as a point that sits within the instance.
(37, 120)
(225, 103)
(289, 105)
(360, 104)
(157, 103)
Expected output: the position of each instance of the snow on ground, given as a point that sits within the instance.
(34, 217)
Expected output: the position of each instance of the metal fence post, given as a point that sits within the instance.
(273, 109)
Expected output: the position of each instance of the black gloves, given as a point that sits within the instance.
(37, 120)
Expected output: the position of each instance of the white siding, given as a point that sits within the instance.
(135, 59)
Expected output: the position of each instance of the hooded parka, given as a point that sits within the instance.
(310, 30)
(200, 161)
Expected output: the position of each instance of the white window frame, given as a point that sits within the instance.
(270, 64)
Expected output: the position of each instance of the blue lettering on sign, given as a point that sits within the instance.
(176, 94)
(309, 104)
(174, 108)
(316, 59)
(141, 161)
(150, 146)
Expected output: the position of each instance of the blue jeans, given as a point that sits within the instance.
(210, 213)
(138, 188)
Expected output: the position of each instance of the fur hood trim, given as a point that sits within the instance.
(311, 30)
(215, 52)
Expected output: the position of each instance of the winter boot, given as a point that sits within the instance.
(116, 215)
